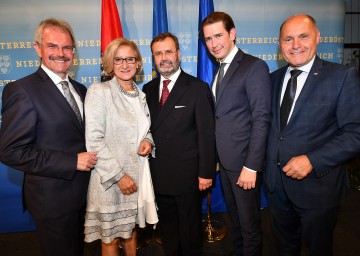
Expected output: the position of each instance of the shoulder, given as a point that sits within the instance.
(332, 67)
(278, 72)
(98, 89)
(27, 83)
(78, 85)
(151, 84)
(194, 81)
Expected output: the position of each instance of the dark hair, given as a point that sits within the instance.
(163, 36)
(216, 17)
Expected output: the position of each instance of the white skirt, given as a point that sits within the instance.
(147, 210)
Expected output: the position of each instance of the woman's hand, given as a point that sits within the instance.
(144, 148)
(127, 185)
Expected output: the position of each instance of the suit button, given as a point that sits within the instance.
(216, 117)
(281, 138)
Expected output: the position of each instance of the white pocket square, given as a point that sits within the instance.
(180, 106)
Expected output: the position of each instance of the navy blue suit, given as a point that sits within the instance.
(41, 136)
(242, 118)
(324, 126)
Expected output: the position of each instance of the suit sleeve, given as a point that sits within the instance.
(258, 89)
(204, 114)
(18, 147)
(346, 142)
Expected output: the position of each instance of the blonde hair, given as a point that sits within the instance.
(51, 22)
(110, 51)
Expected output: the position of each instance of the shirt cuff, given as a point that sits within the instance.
(251, 170)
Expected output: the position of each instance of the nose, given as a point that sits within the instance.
(163, 56)
(124, 64)
(60, 51)
(213, 43)
(296, 43)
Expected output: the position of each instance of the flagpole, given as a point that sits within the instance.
(213, 230)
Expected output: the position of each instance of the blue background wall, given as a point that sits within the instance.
(257, 23)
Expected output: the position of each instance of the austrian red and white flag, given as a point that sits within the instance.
(110, 27)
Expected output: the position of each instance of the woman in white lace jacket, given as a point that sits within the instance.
(120, 192)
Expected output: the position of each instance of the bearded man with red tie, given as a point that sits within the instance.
(183, 164)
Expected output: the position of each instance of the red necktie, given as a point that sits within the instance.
(165, 92)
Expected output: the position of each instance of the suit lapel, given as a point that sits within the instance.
(232, 68)
(59, 98)
(309, 85)
(176, 93)
(153, 99)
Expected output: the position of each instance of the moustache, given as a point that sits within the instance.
(59, 58)
(166, 62)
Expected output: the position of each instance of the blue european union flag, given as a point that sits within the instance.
(160, 23)
(206, 63)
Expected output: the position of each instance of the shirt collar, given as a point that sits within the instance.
(231, 55)
(54, 77)
(172, 78)
(306, 68)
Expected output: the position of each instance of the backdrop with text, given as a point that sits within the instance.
(257, 23)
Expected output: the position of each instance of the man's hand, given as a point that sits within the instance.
(86, 161)
(127, 185)
(204, 183)
(144, 148)
(247, 179)
(298, 167)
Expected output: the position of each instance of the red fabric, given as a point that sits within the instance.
(165, 92)
(110, 23)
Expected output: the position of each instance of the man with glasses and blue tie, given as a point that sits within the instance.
(182, 125)
(43, 135)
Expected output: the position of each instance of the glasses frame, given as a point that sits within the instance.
(128, 60)
(167, 53)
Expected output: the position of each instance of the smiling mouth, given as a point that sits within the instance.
(59, 59)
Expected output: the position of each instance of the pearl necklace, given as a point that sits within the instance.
(129, 94)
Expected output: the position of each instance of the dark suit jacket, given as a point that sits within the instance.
(325, 126)
(242, 113)
(41, 136)
(184, 136)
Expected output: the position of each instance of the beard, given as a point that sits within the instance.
(166, 72)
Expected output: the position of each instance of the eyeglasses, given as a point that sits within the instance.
(54, 48)
(166, 53)
(129, 60)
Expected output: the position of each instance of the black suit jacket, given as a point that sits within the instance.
(184, 136)
(41, 136)
(325, 126)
